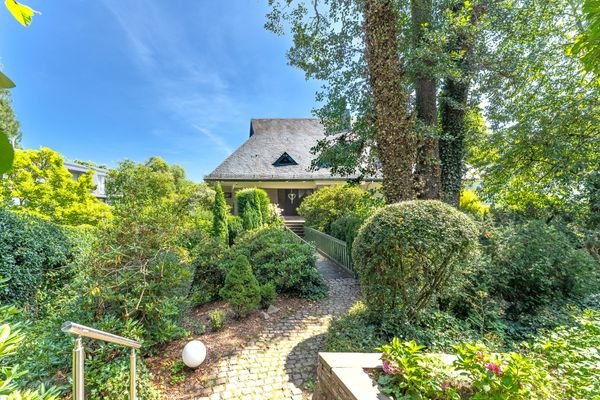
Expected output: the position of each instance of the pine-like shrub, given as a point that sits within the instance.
(220, 211)
(406, 252)
(268, 294)
(235, 225)
(253, 207)
(278, 256)
(241, 289)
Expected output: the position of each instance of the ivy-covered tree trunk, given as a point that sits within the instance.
(453, 104)
(454, 100)
(395, 137)
(427, 171)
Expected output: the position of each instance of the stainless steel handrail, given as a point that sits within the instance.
(81, 331)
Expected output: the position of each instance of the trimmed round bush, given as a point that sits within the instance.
(406, 252)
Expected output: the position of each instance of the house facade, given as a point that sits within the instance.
(98, 178)
(277, 158)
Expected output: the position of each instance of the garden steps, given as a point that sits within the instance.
(296, 225)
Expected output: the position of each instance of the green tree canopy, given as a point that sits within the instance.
(543, 140)
(8, 123)
(40, 185)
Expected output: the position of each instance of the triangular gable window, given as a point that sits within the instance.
(284, 160)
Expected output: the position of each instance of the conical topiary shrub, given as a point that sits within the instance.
(241, 289)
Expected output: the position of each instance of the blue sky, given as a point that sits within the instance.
(106, 80)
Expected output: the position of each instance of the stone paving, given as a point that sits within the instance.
(282, 361)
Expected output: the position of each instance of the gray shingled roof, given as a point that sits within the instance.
(269, 139)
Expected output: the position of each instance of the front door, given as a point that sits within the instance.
(290, 199)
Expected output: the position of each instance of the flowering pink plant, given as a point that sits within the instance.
(494, 368)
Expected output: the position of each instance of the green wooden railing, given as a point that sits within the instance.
(333, 248)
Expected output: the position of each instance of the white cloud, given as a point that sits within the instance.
(187, 87)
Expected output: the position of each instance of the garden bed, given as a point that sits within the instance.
(175, 381)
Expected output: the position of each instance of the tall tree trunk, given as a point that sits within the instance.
(427, 171)
(395, 138)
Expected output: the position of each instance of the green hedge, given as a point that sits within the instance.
(253, 207)
(30, 250)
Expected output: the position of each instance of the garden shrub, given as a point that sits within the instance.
(268, 294)
(30, 248)
(534, 264)
(560, 364)
(11, 338)
(324, 206)
(477, 373)
(278, 256)
(241, 289)
(346, 228)
(471, 204)
(217, 320)
(353, 332)
(235, 225)
(253, 207)
(405, 253)
(220, 212)
(209, 273)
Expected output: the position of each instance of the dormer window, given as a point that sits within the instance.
(284, 160)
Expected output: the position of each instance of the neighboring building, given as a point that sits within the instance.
(98, 178)
(277, 158)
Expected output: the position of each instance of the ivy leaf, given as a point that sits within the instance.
(6, 82)
(7, 154)
(21, 12)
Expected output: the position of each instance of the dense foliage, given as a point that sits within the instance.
(321, 208)
(209, 273)
(133, 278)
(253, 207)
(40, 185)
(220, 213)
(8, 123)
(241, 289)
(557, 366)
(406, 253)
(535, 264)
(37, 256)
(279, 257)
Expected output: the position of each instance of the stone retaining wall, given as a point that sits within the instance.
(342, 376)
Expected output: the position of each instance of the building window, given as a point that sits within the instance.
(284, 160)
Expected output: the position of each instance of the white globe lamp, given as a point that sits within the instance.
(194, 354)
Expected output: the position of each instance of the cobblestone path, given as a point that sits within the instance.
(281, 362)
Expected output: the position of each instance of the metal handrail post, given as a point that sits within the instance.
(78, 378)
(132, 380)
